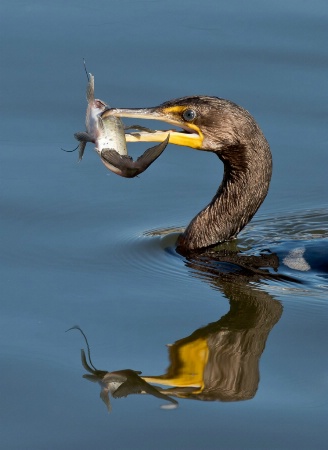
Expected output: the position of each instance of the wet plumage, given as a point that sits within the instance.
(219, 126)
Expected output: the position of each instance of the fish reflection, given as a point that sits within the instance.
(120, 383)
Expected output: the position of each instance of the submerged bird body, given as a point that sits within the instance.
(226, 129)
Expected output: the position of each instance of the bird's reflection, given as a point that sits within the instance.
(220, 361)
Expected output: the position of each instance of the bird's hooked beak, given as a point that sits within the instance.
(190, 134)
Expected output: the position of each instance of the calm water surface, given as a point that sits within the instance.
(248, 355)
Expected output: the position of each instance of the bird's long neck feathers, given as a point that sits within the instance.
(247, 174)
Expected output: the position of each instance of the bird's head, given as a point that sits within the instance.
(205, 123)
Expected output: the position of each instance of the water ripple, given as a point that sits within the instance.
(153, 252)
(300, 240)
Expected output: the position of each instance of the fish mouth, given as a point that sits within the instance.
(188, 135)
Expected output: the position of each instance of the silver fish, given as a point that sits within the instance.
(103, 133)
(107, 133)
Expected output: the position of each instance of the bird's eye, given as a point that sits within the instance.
(189, 115)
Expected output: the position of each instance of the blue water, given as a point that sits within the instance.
(80, 245)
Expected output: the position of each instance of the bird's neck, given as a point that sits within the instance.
(247, 174)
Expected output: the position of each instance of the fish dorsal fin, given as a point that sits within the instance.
(83, 136)
(91, 89)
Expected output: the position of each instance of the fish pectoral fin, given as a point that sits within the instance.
(83, 136)
(92, 378)
(85, 362)
(150, 155)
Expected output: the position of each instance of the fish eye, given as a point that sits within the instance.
(99, 104)
(189, 115)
